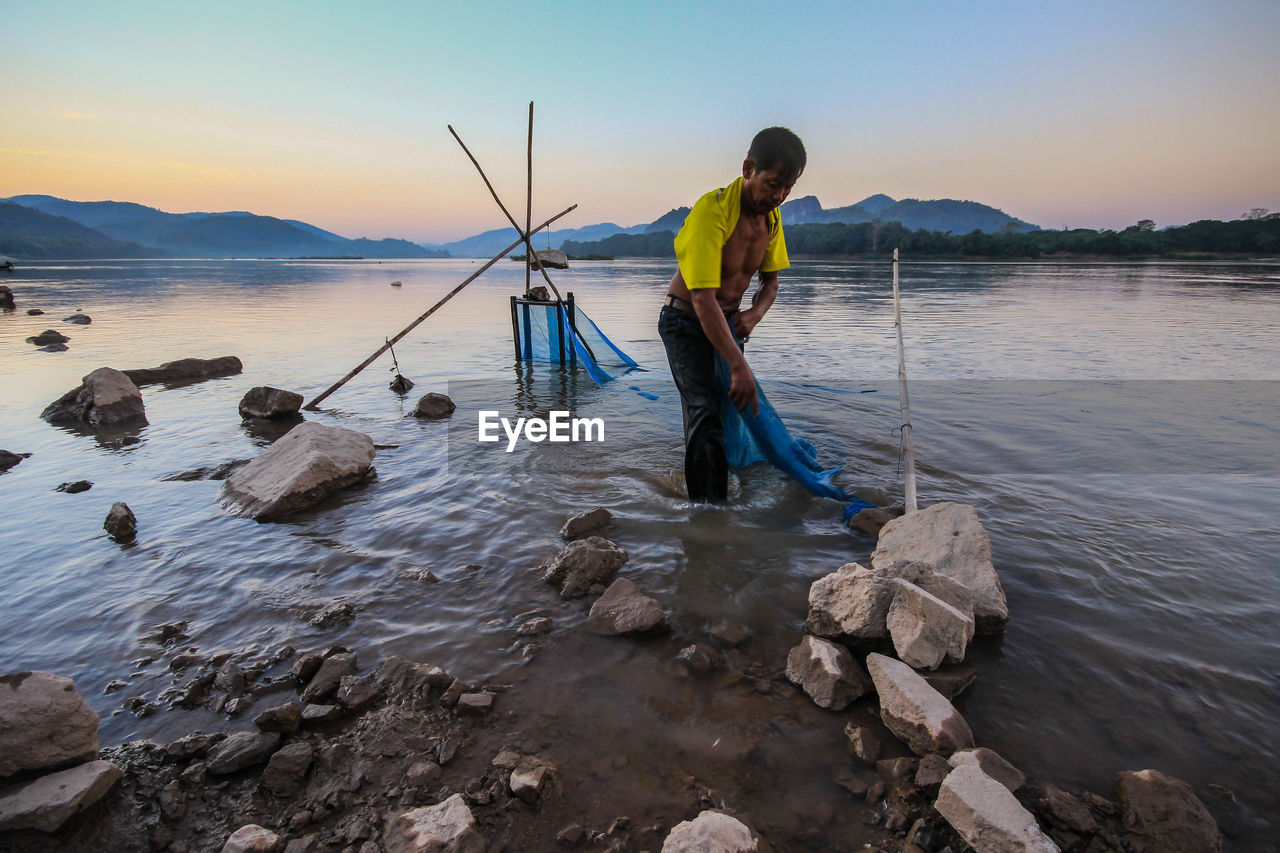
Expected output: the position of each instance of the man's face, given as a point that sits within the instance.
(765, 189)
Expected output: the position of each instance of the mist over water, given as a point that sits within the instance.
(1114, 424)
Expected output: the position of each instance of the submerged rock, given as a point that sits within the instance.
(186, 370)
(583, 563)
(585, 522)
(914, 711)
(34, 312)
(529, 778)
(44, 723)
(47, 337)
(711, 832)
(6, 298)
(434, 406)
(873, 519)
(950, 538)
(826, 672)
(1162, 813)
(624, 609)
(298, 471)
(50, 801)
(121, 524)
(78, 319)
(266, 402)
(8, 460)
(951, 679)
(75, 487)
(448, 827)
(105, 397)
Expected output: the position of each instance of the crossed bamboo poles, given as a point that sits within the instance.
(525, 238)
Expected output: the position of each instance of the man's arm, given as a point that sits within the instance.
(746, 321)
(742, 387)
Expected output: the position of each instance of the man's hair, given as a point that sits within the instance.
(777, 147)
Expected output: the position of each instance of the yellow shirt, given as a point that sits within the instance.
(707, 228)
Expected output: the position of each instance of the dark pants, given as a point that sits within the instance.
(693, 366)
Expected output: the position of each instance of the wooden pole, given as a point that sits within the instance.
(528, 244)
(314, 404)
(908, 446)
(528, 204)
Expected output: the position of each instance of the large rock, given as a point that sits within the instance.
(925, 629)
(585, 522)
(8, 460)
(186, 370)
(950, 538)
(252, 839)
(48, 337)
(853, 601)
(287, 768)
(78, 319)
(1161, 813)
(44, 723)
(298, 471)
(105, 397)
(992, 764)
(529, 778)
(583, 563)
(328, 677)
(241, 750)
(914, 711)
(987, 815)
(711, 832)
(266, 402)
(6, 298)
(448, 827)
(624, 609)
(827, 672)
(434, 406)
(121, 524)
(50, 801)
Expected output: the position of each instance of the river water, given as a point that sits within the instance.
(1114, 424)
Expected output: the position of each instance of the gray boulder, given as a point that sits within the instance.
(186, 370)
(448, 827)
(925, 629)
(711, 832)
(298, 471)
(50, 801)
(826, 672)
(585, 522)
(914, 711)
(266, 402)
(106, 397)
(987, 816)
(992, 764)
(44, 723)
(252, 839)
(624, 609)
(434, 406)
(950, 538)
(1159, 812)
(121, 524)
(853, 601)
(581, 564)
(241, 750)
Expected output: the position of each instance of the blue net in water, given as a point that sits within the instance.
(763, 437)
(560, 333)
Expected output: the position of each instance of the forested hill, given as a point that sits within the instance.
(1257, 235)
(31, 234)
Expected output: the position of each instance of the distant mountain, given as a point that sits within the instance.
(945, 215)
(669, 221)
(217, 235)
(29, 234)
(490, 243)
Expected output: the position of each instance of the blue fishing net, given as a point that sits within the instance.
(560, 332)
(763, 437)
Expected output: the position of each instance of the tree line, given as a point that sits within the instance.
(1256, 233)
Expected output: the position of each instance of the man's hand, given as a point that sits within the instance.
(742, 387)
(744, 322)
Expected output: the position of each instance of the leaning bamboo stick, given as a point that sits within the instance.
(409, 328)
(908, 445)
(528, 203)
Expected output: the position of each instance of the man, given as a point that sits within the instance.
(730, 235)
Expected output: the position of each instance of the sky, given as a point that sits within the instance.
(1062, 114)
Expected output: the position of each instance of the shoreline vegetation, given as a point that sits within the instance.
(1257, 236)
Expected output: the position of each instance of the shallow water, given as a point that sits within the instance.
(1113, 423)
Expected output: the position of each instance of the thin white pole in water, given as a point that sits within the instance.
(908, 446)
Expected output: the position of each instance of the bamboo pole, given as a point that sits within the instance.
(528, 204)
(409, 328)
(528, 244)
(908, 445)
